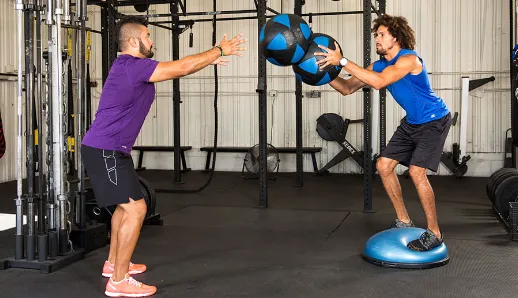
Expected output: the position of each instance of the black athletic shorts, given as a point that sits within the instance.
(112, 176)
(419, 144)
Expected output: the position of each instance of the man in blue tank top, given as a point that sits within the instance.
(127, 96)
(419, 140)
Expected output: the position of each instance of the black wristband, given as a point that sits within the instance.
(221, 50)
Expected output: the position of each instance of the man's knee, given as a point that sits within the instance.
(385, 166)
(136, 208)
(417, 173)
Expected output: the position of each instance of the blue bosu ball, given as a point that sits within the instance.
(389, 249)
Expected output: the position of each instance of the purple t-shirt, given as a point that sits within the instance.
(125, 102)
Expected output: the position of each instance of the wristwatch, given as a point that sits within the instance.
(343, 62)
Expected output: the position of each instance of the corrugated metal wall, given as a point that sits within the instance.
(8, 93)
(455, 37)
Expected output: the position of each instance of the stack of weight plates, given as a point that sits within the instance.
(502, 188)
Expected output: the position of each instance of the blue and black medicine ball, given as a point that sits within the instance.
(284, 39)
(308, 71)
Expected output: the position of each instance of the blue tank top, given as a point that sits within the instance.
(414, 93)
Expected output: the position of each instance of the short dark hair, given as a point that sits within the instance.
(123, 28)
(399, 28)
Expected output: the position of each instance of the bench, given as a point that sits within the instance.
(143, 149)
(306, 150)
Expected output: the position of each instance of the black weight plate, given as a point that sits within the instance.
(149, 196)
(336, 127)
(507, 191)
(498, 179)
(145, 194)
(492, 179)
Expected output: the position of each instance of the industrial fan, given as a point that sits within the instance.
(252, 161)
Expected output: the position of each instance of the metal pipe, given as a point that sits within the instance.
(82, 8)
(50, 9)
(262, 89)
(66, 11)
(49, 123)
(199, 13)
(59, 132)
(464, 106)
(338, 13)
(79, 27)
(29, 132)
(367, 124)
(177, 175)
(299, 181)
(42, 236)
(49, 198)
(19, 200)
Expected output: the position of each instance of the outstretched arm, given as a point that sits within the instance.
(346, 87)
(194, 63)
(389, 75)
(404, 65)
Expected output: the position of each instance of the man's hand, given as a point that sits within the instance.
(232, 47)
(332, 57)
(220, 61)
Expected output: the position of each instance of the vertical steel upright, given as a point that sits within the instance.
(367, 131)
(262, 90)
(42, 235)
(298, 115)
(109, 38)
(383, 96)
(30, 239)
(81, 92)
(513, 12)
(175, 18)
(19, 245)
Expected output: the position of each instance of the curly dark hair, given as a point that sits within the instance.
(123, 31)
(399, 28)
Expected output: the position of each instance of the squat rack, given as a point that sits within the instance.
(109, 15)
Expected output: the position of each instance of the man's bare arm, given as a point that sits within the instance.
(191, 64)
(346, 87)
(185, 66)
(389, 75)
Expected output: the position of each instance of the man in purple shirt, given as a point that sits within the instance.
(126, 99)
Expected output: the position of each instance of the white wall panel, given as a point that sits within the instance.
(454, 37)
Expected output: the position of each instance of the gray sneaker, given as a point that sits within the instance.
(401, 224)
(426, 242)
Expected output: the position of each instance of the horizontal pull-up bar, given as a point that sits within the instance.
(205, 13)
(337, 13)
(268, 16)
(249, 17)
(217, 19)
(79, 28)
(128, 2)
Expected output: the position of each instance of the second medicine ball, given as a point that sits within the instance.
(284, 39)
(308, 71)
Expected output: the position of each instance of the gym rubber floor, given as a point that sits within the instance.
(216, 243)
